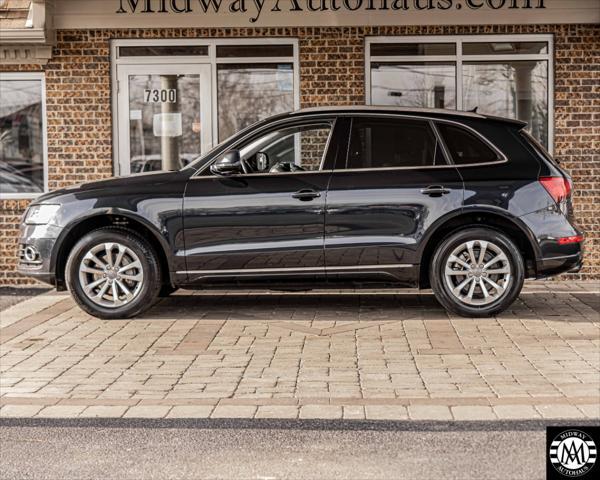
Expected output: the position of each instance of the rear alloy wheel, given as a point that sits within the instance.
(113, 273)
(477, 272)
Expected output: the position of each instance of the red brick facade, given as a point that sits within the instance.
(332, 67)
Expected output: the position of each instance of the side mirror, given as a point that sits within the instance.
(228, 164)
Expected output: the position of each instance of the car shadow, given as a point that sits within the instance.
(296, 306)
(360, 306)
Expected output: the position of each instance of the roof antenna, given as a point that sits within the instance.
(474, 110)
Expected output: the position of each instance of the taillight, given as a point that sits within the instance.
(559, 188)
(569, 240)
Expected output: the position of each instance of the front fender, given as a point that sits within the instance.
(159, 233)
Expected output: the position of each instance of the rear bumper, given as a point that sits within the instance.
(548, 267)
(553, 258)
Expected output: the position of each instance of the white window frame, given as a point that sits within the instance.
(210, 59)
(459, 58)
(42, 78)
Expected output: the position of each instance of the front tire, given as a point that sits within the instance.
(477, 272)
(113, 273)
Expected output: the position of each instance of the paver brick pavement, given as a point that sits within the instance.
(351, 355)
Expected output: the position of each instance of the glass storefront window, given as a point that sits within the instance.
(416, 49)
(22, 125)
(173, 110)
(421, 85)
(247, 93)
(242, 51)
(164, 51)
(505, 48)
(509, 89)
(506, 76)
(164, 121)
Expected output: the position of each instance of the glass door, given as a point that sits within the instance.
(164, 119)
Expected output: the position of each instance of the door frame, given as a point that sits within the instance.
(122, 141)
(210, 59)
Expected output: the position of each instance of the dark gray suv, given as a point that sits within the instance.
(467, 204)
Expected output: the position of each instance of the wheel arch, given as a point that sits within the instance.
(109, 218)
(486, 217)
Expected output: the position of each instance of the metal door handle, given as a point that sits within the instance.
(306, 195)
(435, 191)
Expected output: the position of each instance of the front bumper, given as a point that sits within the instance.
(43, 240)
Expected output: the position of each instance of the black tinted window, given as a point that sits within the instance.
(464, 147)
(385, 143)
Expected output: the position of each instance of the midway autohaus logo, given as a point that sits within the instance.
(254, 8)
(572, 452)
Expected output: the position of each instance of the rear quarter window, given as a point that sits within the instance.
(464, 147)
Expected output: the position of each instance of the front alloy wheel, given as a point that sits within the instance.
(113, 273)
(477, 272)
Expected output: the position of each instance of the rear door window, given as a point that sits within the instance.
(464, 147)
(393, 143)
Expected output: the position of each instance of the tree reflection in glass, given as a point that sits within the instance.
(21, 137)
(251, 92)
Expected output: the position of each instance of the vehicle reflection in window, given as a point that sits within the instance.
(21, 137)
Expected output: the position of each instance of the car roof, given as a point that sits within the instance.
(429, 112)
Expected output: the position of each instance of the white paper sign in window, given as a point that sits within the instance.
(168, 125)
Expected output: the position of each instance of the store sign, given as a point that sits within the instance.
(78, 14)
(253, 9)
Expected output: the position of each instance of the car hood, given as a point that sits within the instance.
(113, 185)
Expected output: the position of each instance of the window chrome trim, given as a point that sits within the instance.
(315, 116)
(296, 269)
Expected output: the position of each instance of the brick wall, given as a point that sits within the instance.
(332, 73)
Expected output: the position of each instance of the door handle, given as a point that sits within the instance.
(306, 195)
(435, 191)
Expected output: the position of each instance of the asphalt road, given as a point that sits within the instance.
(256, 449)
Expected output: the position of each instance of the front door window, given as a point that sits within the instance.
(293, 149)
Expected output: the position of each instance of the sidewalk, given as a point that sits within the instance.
(330, 355)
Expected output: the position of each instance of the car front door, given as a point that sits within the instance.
(266, 223)
(394, 184)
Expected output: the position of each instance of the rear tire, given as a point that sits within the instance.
(113, 273)
(477, 272)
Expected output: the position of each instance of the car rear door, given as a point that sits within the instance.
(394, 184)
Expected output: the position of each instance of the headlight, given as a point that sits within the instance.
(41, 214)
